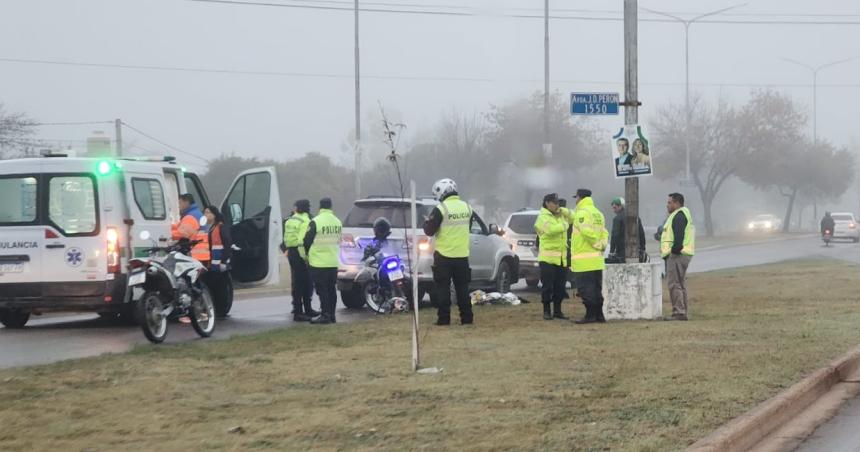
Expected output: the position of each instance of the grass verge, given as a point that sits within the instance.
(511, 382)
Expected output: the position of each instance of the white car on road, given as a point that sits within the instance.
(846, 227)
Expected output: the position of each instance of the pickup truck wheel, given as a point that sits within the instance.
(503, 278)
(14, 318)
(353, 298)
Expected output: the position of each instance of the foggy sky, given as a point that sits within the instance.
(284, 117)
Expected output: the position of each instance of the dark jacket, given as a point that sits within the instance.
(617, 246)
(827, 223)
(679, 226)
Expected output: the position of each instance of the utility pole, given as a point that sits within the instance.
(631, 116)
(547, 143)
(118, 140)
(687, 23)
(357, 110)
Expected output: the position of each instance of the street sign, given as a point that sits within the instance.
(594, 103)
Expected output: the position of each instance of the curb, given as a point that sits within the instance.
(749, 429)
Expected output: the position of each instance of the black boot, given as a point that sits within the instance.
(322, 319)
(299, 315)
(309, 311)
(589, 317)
(557, 314)
(547, 313)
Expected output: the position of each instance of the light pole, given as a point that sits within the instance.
(687, 23)
(815, 70)
(547, 144)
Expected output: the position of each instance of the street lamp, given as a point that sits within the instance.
(814, 70)
(687, 23)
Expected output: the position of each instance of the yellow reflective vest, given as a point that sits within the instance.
(590, 237)
(325, 249)
(667, 240)
(452, 239)
(295, 229)
(552, 232)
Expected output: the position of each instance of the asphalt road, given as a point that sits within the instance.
(840, 434)
(55, 338)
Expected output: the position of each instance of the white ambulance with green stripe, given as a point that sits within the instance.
(68, 227)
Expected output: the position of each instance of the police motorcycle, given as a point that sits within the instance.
(172, 285)
(383, 275)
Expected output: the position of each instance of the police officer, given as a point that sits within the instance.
(551, 228)
(450, 222)
(295, 229)
(588, 243)
(322, 245)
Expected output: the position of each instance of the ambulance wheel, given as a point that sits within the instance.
(222, 295)
(14, 318)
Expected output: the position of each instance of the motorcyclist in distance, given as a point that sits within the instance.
(827, 223)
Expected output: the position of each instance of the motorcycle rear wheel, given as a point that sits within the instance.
(203, 313)
(150, 315)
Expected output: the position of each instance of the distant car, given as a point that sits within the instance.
(494, 264)
(765, 223)
(520, 233)
(846, 227)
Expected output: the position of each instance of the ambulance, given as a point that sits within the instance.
(68, 227)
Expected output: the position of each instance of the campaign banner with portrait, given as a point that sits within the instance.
(631, 152)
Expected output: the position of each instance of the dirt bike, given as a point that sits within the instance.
(172, 285)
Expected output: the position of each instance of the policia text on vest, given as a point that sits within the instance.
(450, 222)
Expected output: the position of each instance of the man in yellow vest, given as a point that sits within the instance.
(322, 245)
(450, 222)
(551, 229)
(677, 246)
(588, 243)
(295, 229)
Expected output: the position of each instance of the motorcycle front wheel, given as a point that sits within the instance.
(150, 314)
(375, 300)
(203, 313)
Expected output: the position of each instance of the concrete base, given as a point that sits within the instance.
(633, 291)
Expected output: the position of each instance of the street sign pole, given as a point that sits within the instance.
(631, 116)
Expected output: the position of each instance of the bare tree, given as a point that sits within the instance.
(15, 128)
(717, 151)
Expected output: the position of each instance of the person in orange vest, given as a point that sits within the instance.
(189, 228)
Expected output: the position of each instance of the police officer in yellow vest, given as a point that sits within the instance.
(588, 243)
(551, 228)
(322, 245)
(295, 229)
(677, 246)
(450, 222)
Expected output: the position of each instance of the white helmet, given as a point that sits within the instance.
(443, 187)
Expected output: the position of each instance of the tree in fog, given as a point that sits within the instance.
(516, 139)
(782, 157)
(311, 176)
(717, 148)
(15, 130)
